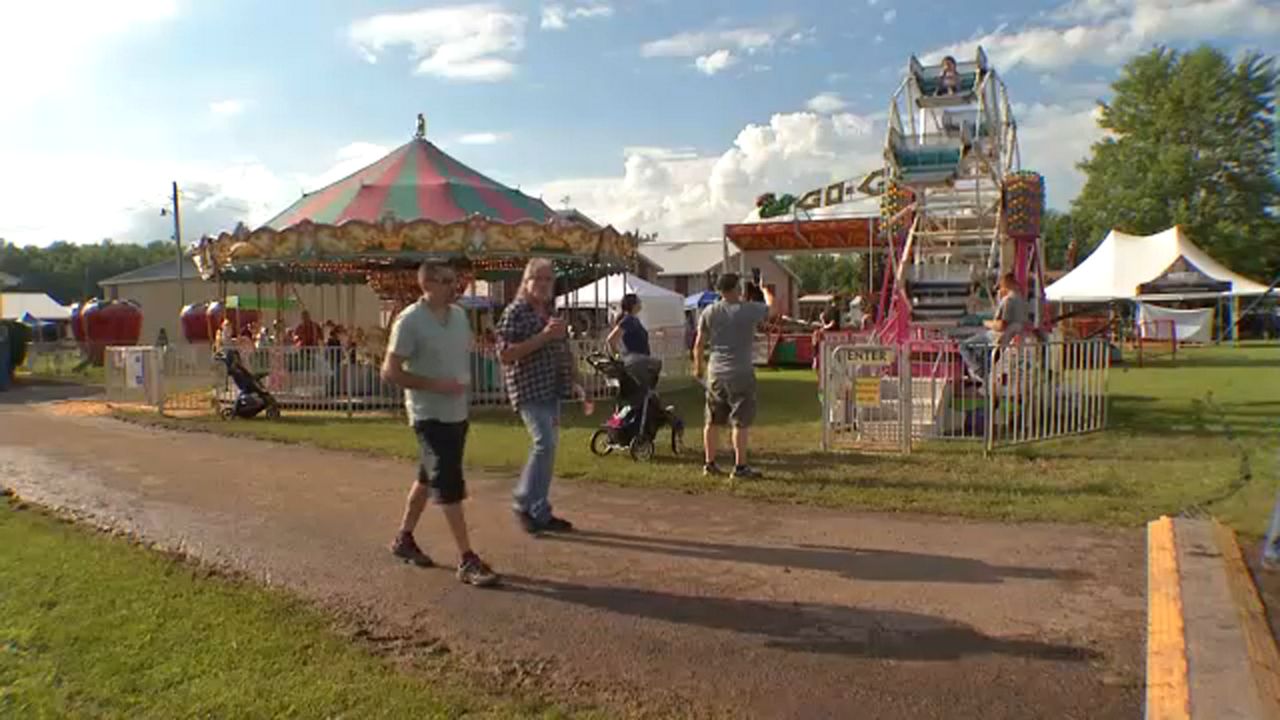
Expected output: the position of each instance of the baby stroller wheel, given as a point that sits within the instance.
(642, 449)
(273, 412)
(226, 413)
(600, 444)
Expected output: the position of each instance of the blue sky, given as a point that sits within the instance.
(664, 115)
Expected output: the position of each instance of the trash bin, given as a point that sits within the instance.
(5, 370)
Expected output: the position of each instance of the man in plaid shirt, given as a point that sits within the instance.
(540, 372)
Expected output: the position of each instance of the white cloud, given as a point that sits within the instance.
(715, 62)
(873, 3)
(556, 16)
(461, 42)
(890, 15)
(692, 44)
(1108, 32)
(130, 191)
(878, 39)
(553, 17)
(483, 138)
(826, 103)
(1052, 139)
(44, 44)
(684, 195)
(836, 77)
(227, 108)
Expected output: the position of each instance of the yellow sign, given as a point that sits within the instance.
(877, 356)
(867, 391)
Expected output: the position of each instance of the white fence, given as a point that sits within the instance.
(187, 377)
(879, 398)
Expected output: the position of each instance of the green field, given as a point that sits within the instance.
(1198, 431)
(92, 627)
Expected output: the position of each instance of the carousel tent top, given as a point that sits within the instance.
(417, 203)
(416, 181)
(1166, 265)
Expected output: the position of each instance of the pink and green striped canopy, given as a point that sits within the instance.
(416, 181)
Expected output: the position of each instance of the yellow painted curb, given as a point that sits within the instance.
(1263, 655)
(1168, 694)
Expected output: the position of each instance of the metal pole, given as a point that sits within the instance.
(177, 240)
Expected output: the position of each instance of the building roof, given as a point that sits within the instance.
(14, 305)
(166, 270)
(685, 258)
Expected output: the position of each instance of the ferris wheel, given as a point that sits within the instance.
(957, 208)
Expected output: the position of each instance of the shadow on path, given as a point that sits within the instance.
(27, 391)
(852, 563)
(806, 627)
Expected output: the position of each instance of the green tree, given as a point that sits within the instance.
(1056, 231)
(827, 273)
(70, 272)
(1189, 142)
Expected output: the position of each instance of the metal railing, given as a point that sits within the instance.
(328, 379)
(883, 397)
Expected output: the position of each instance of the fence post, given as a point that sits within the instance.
(904, 398)
(824, 392)
(991, 402)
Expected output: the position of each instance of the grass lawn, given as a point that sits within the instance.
(94, 627)
(1196, 431)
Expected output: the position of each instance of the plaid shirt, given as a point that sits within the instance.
(544, 374)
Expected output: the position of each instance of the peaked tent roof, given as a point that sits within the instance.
(37, 304)
(1122, 263)
(416, 181)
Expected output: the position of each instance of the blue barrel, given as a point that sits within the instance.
(5, 370)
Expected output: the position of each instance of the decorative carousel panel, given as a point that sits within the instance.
(1024, 203)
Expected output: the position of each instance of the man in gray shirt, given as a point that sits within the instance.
(1009, 321)
(429, 355)
(727, 329)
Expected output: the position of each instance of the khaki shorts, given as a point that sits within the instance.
(731, 401)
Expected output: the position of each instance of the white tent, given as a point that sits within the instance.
(659, 307)
(1122, 264)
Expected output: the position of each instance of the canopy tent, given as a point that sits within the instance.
(416, 181)
(659, 307)
(699, 300)
(1164, 266)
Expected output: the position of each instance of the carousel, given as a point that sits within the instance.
(417, 203)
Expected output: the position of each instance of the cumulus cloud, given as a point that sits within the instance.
(556, 16)
(686, 195)
(461, 42)
(1108, 32)
(483, 138)
(130, 191)
(692, 44)
(826, 103)
(715, 62)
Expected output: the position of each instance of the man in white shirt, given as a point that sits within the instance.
(429, 355)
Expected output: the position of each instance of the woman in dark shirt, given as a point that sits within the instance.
(632, 339)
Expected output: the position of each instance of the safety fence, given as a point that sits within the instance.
(325, 379)
(889, 398)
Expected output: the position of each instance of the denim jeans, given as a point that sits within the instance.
(532, 494)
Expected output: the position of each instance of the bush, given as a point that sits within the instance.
(19, 338)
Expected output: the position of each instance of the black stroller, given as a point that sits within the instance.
(251, 398)
(638, 413)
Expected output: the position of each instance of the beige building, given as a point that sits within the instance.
(691, 267)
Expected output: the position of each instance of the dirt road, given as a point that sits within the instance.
(664, 604)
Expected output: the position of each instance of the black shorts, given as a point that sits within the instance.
(442, 445)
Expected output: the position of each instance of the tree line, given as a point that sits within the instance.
(69, 272)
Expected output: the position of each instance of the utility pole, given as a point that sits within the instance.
(177, 241)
